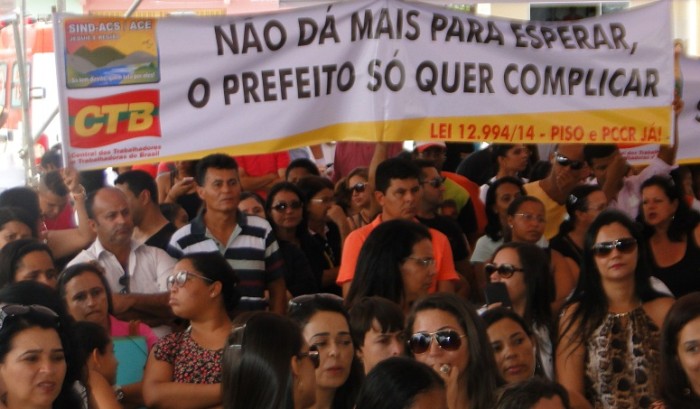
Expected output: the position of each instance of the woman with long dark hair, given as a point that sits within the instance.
(27, 259)
(264, 372)
(396, 262)
(608, 350)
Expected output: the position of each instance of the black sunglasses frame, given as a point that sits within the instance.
(504, 270)
(573, 164)
(282, 206)
(625, 246)
(447, 339)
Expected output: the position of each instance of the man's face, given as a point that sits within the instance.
(571, 161)
(432, 194)
(600, 166)
(136, 204)
(112, 222)
(437, 154)
(401, 199)
(51, 204)
(221, 191)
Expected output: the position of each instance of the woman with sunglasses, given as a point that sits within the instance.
(184, 368)
(327, 224)
(680, 337)
(325, 325)
(511, 160)
(285, 212)
(265, 372)
(27, 259)
(526, 219)
(608, 350)
(396, 262)
(448, 335)
(37, 365)
(524, 269)
(514, 345)
(583, 205)
(672, 233)
(361, 207)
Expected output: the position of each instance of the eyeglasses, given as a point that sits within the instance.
(504, 270)
(531, 217)
(299, 301)
(447, 339)
(423, 261)
(11, 311)
(124, 282)
(625, 246)
(564, 161)
(313, 355)
(435, 182)
(282, 206)
(181, 277)
(359, 187)
(324, 200)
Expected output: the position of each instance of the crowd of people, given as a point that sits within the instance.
(265, 282)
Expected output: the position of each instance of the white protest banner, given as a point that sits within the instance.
(181, 87)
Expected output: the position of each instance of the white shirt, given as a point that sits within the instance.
(149, 267)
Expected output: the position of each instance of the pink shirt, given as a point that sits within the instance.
(121, 329)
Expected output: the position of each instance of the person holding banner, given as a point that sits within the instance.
(616, 177)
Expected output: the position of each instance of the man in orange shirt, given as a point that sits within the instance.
(398, 192)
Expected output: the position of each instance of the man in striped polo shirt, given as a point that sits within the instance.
(247, 242)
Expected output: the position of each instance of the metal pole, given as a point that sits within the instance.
(132, 8)
(45, 125)
(18, 30)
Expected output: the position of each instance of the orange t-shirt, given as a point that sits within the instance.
(444, 264)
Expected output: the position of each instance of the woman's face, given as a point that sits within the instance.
(289, 217)
(307, 376)
(189, 299)
(86, 298)
(432, 320)
(596, 203)
(514, 350)
(656, 206)
(618, 264)
(330, 333)
(515, 284)
(34, 368)
(505, 194)
(516, 159)
(319, 205)
(251, 207)
(528, 222)
(379, 345)
(14, 230)
(418, 271)
(37, 266)
(688, 351)
(360, 194)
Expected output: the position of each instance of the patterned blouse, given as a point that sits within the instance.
(623, 362)
(191, 363)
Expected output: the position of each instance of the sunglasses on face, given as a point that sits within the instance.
(181, 277)
(435, 182)
(625, 246)
(313, 355)
(447, 339)
(11, 311)
(573, 164)
(282, 206)
(504, 270)
(358, 187)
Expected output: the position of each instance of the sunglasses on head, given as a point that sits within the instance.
(435, 182)
(625, 246)
(11, 311)
(358, 187)
(447, 339)
(181, 277)
(504, 270)
(312, 354)
(299, 301)
(282, 206)
(573, 164)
